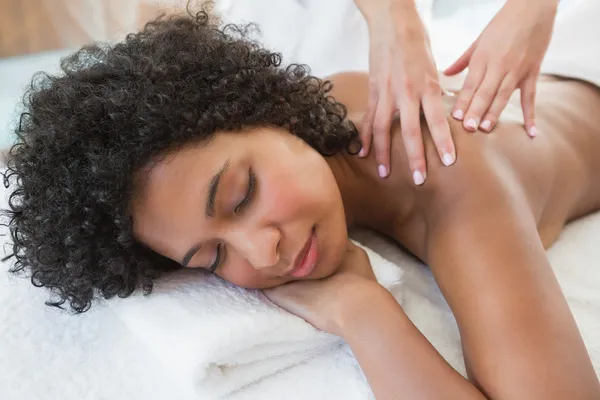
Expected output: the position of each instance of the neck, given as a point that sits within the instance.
(370, 201)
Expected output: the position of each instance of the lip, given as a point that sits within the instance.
(306, 259)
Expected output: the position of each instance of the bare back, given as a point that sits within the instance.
(554, 171)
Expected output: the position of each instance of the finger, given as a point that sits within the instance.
(413, 139)
(472, 82)
(462, 62)
(435, 114)
(366, 132)
(482, 100)
(528, 89)
(381, 133)
(507, 87)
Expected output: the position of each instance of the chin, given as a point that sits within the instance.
(336, 252)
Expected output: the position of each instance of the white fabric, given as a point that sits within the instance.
(328, 36)
(219, 338)
(48, 355)
(569, 53)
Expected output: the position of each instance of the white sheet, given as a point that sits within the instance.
(45, 355)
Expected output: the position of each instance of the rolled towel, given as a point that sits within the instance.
(219, 338)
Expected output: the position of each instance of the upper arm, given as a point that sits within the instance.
(518, 334)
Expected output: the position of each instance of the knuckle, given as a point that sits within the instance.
(433, 87)
(468, 86)
(411, 132)
(412, 140)
(439, 121)
(380, 127)
(486, 94)
(507, 60)
(408, 86)
(530, 96)
(505, 92)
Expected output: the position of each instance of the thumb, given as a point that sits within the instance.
(462, 62)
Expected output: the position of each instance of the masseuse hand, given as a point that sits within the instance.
(507, 55)
(402, 76)
(325, 302)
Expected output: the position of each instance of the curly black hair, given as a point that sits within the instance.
(113, 110)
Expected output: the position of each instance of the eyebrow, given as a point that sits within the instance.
(209, 209)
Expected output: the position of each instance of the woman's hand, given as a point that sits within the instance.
(403, 76)
(325, 303)
(507, 55)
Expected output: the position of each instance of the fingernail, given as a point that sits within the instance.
(362, 152)
(419, 178)
(533, 132)
(486, 125)
(458, 114)
(382, 171)
(471, 123)
(448, 159)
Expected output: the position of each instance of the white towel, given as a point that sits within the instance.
(219, 338)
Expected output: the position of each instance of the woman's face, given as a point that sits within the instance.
(261, 208)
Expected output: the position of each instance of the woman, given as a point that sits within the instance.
(186, 145)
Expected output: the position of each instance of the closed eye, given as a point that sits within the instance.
(217, 261)
(249, 194)
(239, 208)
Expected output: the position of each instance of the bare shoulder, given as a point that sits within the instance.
(351, 89)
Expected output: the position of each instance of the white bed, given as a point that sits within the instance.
(48, 355)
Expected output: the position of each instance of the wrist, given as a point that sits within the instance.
(539, 6)
(361, 307)
(377, 11)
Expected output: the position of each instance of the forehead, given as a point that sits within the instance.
(200, 162)
(170, 188)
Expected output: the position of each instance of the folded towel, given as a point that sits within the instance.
(219, 338)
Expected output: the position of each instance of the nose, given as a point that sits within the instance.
(260, 246)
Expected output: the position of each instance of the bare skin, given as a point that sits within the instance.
(553, 170)
(482, 226)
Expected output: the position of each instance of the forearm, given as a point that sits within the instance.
(548, 3)
(396, 358)
(375, 10)
(535, 8)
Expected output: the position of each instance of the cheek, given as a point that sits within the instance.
(240, 273)
(300, 191)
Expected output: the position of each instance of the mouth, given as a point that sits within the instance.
(306, 260)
